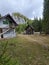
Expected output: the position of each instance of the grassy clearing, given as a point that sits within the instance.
(27, 50)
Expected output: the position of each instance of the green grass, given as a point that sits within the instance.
(24, 50)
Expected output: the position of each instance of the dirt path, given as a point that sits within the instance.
(37, 39)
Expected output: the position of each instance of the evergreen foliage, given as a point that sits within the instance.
(37, 24)
(46, 17)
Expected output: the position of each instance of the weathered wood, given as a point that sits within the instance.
(7, 27)
(29, 29)
(1, 32)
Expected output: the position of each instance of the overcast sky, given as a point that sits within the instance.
(29, 8)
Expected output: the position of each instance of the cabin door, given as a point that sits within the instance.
(1, 32)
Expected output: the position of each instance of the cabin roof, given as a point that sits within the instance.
(30, 27)
(8, 16)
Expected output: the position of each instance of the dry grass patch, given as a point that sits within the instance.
(28, 50)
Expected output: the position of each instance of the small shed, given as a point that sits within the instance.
(29, 29)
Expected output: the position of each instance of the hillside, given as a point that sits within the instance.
(20, 15)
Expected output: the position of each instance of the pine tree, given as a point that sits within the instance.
(0, 15)
(46, 17)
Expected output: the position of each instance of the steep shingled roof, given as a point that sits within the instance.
(30, 27)
(8, 16)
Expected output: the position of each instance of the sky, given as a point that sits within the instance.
(29, 8)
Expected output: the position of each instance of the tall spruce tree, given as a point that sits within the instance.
(0, 15)
(46, 17)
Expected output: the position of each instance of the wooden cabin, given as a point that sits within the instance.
(7, 27)
(29, 29)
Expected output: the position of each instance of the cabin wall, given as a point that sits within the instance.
(29, 31)
(10, 34)
(3, 25)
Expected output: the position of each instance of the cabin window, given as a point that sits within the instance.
(5, 22)
(9, 22)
